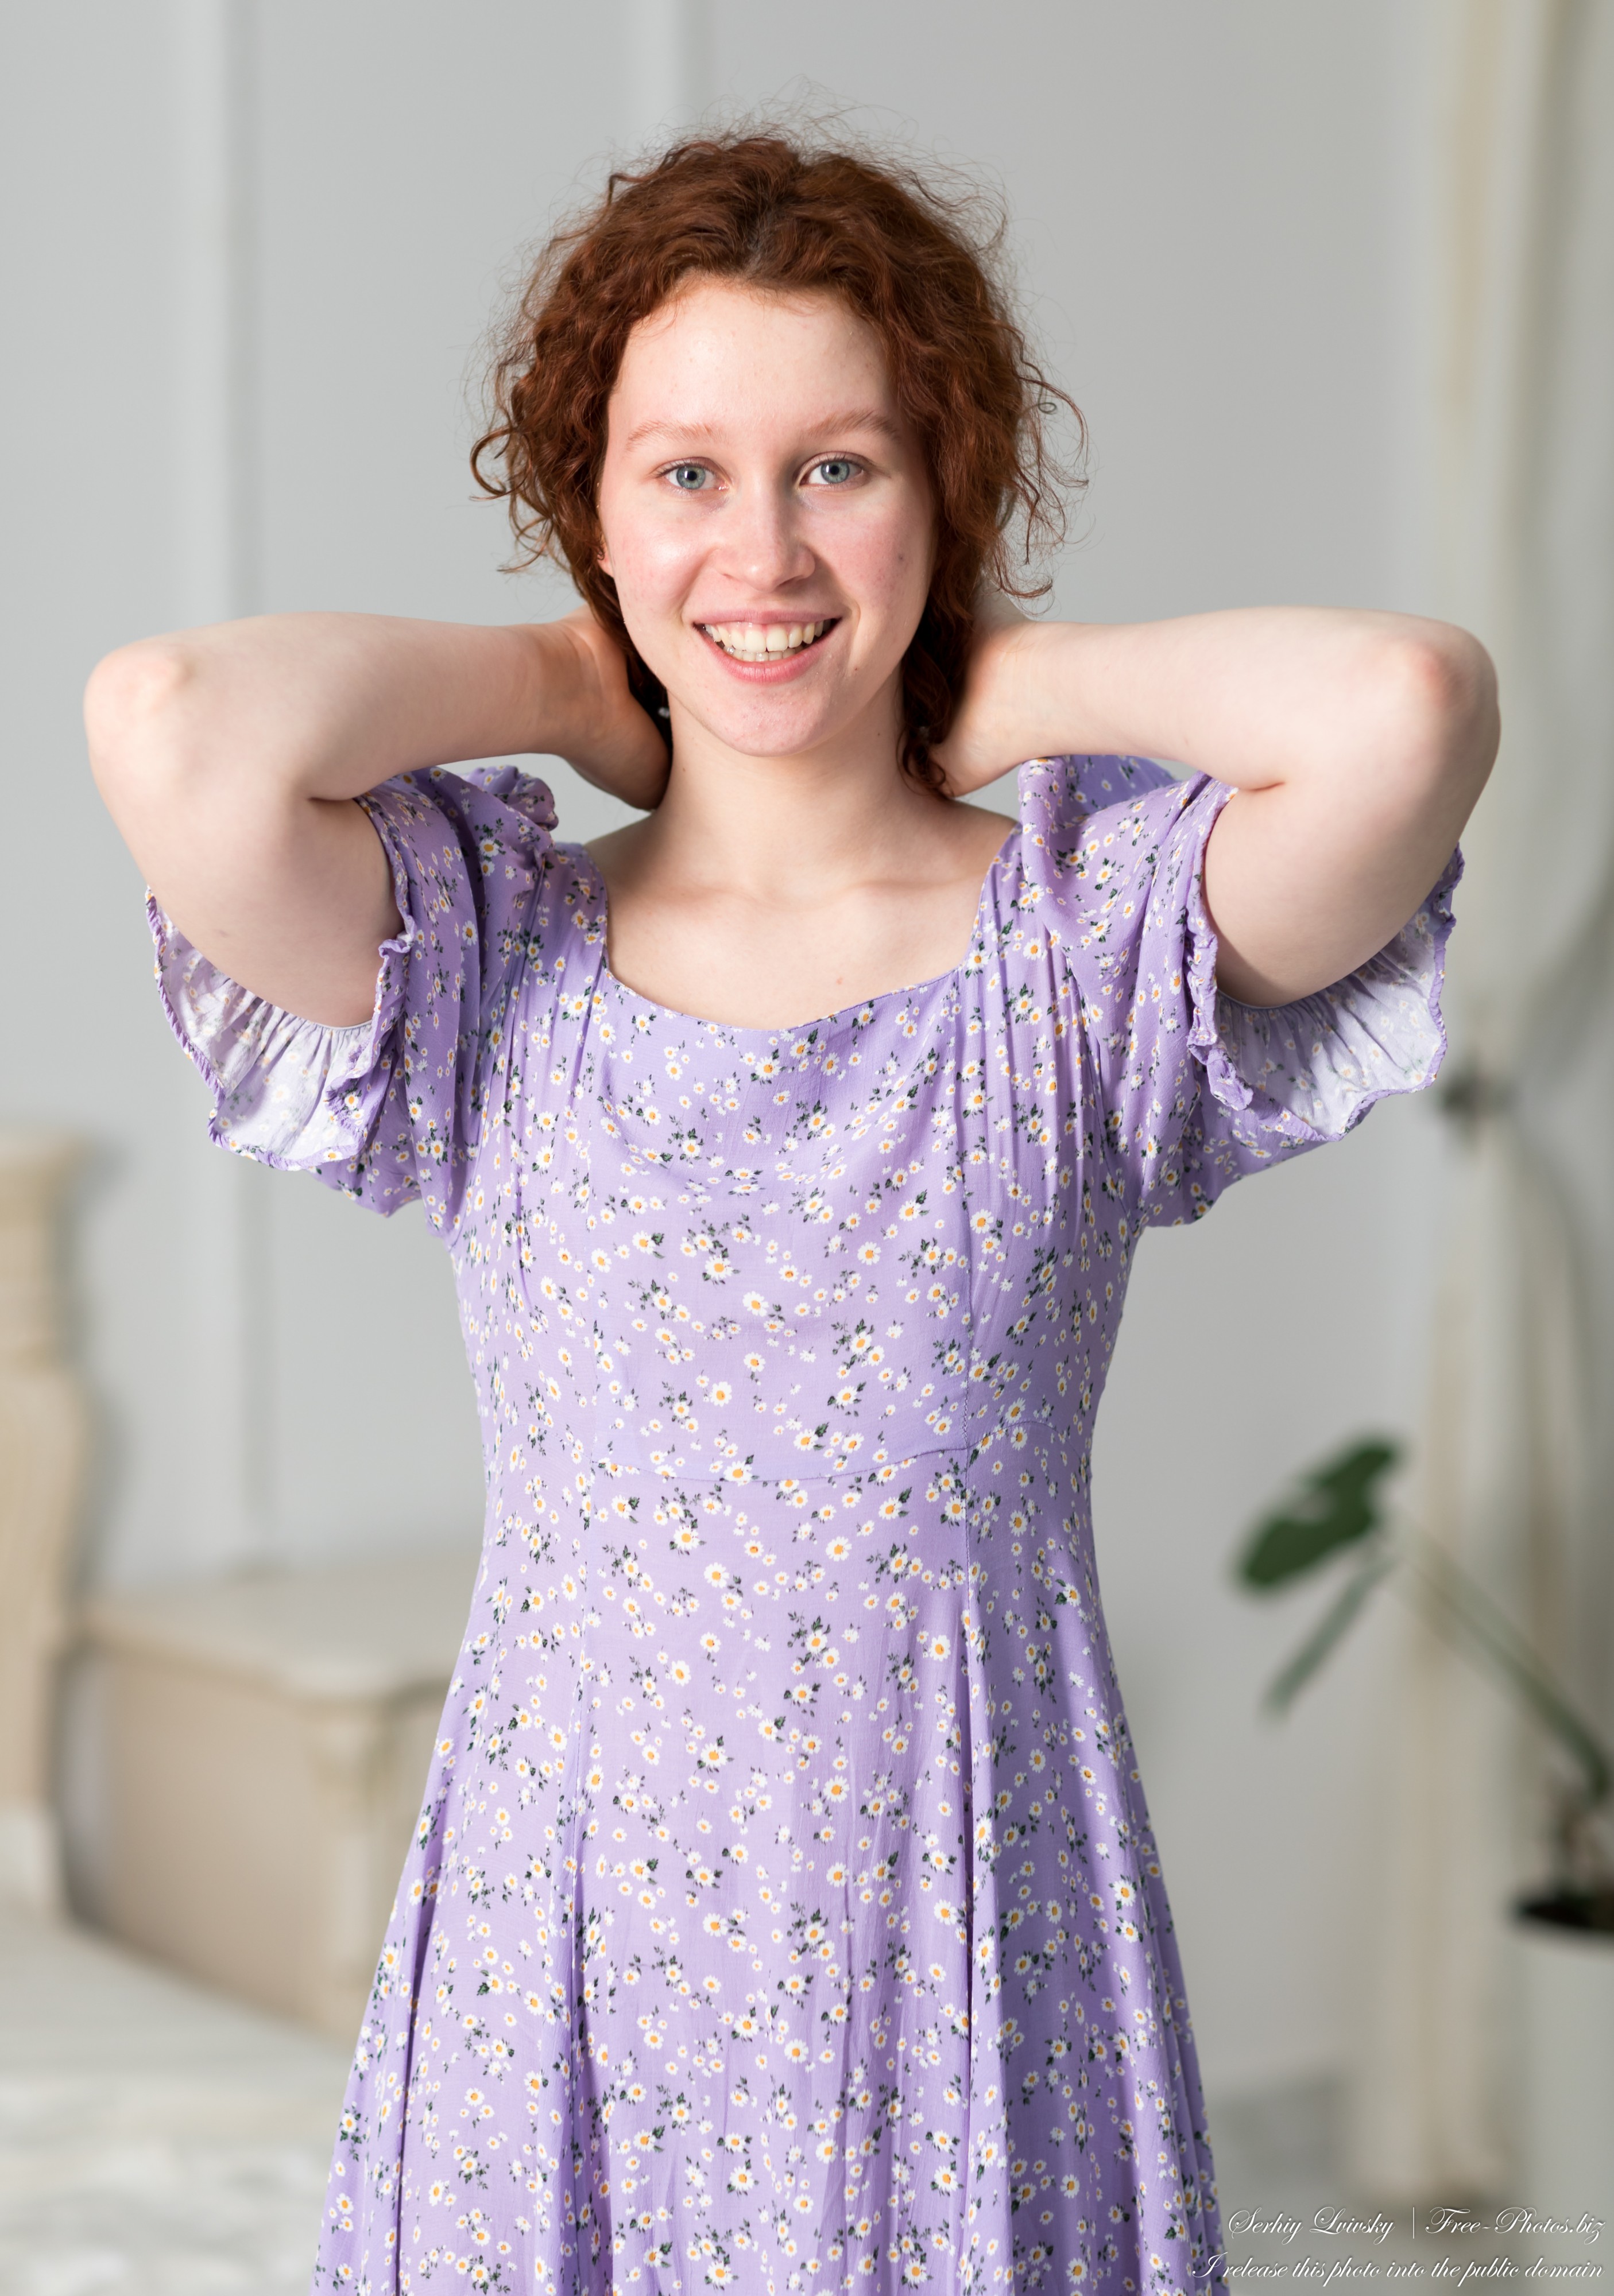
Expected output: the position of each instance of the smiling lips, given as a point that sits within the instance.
(759, 641)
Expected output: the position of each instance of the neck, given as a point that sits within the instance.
(837, 814)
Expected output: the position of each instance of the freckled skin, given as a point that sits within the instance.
(766, 523)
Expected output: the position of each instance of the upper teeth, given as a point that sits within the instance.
(755, 640)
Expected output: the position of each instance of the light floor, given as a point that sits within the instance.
(158, 2141)
(154, 2140)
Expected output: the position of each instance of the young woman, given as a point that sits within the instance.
(784, 1914)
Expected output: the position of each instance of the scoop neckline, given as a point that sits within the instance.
(842, 1014)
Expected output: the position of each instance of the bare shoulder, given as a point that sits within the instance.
(980, 833)
(619, 853)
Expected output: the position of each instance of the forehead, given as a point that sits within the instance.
(719, 349)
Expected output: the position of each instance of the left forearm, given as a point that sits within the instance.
(1255, 696)
(1359, 743)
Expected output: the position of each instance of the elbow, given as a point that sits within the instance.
(1441, 688)
(133, 707)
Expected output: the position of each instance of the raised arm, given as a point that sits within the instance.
(230, 758)
(1357, 744)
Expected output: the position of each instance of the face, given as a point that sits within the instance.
(767, 517)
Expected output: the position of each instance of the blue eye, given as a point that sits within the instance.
(689, 477)
(835, 470)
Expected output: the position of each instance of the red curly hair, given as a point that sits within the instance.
(766, 209)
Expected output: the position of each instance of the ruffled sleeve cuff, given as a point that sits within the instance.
(1279, 1078)
(1197, 1089)
(292, 1093)
(387, 1109)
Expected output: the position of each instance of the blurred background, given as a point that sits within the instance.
(1334, 286)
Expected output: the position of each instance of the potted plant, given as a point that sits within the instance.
(1337, 1523)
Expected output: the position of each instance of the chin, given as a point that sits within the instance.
(783, 721)
(762, 726)
(750, 739)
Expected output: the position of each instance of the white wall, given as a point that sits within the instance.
(1213, 210)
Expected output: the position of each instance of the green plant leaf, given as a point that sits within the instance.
(1284, 1687)
(1335, 1505)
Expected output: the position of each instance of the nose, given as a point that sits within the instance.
(763, 546)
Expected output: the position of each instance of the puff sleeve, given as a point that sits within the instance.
(1197, 1088)
(391, 1107)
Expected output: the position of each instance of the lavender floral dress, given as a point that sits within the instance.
(784, 1914)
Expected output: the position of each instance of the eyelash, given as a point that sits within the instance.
(854, 468)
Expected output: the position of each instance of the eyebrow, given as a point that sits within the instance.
(860, 418)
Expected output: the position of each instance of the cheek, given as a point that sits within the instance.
(886, 565)
(889, 561)
(651, 564)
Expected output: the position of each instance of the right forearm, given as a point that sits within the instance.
(328, 705)
(230, 760)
